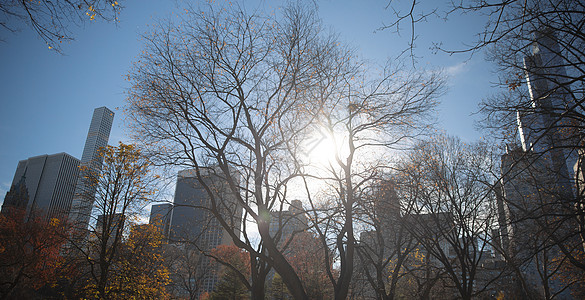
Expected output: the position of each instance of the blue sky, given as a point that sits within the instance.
(47, 99)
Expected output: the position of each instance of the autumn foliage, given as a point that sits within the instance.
(138, 271)
(233, 256)
(123, 260)
(234, 272)
(29, 253)
(307, 256)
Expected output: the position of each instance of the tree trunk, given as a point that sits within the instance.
(280, 265)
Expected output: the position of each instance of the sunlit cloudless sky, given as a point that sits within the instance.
(47, 99)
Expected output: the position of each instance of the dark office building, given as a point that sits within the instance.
(193, 224)
(160, 216)
(49, 181)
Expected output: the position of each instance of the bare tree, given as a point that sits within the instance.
(239, 93)
(387, 254)
(514, 31)
(230, 90)
(538, 48)
(539, 53)
(447, 187)
(369, 117)
(52, 20)
(536, 44)
(187, 271)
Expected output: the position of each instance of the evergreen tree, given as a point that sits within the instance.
(279, 290)
(230, 287)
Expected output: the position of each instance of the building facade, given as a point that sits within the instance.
(193, 227)
(536, 194)
(544, 127)
(49, 181)
(110, 227)
(160, 216)
(284, 224)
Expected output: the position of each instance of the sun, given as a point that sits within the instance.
(323, 146)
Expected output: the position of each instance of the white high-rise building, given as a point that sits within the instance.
(97, 137)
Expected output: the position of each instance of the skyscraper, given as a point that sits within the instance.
(540, 173)
(288, 222)
(545, 127)
(49, 181)
(194, 227)
(97, 137)
(160, 216)
(191, 219)
(537, 179)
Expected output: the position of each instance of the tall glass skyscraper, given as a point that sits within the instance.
(536, 198)
(97, 137)
(545, 127)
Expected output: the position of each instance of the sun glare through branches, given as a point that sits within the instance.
(323, 147)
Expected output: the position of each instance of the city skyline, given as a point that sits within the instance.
(55, 90)
(53, 182)
(331, 143)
